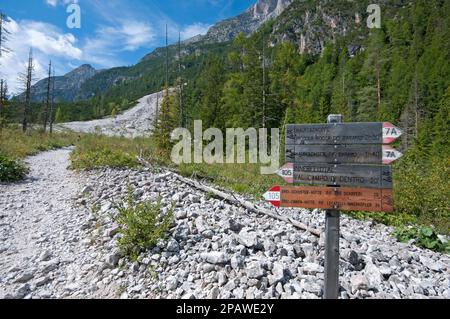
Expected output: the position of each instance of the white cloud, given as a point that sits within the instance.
(194, 29)
(109, 41)
(52, 3)
(47, 42)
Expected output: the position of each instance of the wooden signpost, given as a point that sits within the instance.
(346, 159)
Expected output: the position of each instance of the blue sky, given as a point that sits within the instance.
(112, 33)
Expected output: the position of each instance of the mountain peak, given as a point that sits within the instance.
(248, 21)
(82, 68)
(266, 9)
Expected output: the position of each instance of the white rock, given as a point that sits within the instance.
(359, 282)
(173, 246)
(248, 238)
(215, 257)
(254, 270)
(312, 269)
(171, 283)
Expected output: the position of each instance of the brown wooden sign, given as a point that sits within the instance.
(370, 176)
(347, 199)
(342, 154)
(341, 133)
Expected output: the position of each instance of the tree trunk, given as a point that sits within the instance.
(52, 104)
(1, 98)
(28, 92)
(379, 86)
(47, 104)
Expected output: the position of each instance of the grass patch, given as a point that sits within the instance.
(241, 178)
(15, 144)
(141, 224)
(96, 151)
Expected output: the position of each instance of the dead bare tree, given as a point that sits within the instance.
(180, 80)
(47, 102)
(412, 114)
(26, 79)
(52, 104)
(1, 96)
(4, 34)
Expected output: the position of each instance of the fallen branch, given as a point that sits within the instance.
(236, 201)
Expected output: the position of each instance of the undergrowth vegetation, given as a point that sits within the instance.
(11, 170)
(96, 151)
(142, 225)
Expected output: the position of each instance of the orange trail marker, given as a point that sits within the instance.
(342, 198)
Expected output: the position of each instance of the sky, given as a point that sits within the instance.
(112, 32)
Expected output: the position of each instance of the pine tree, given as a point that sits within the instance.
(286, 67)
(441, 129)
(370, 95)
(212, 80)
(59, 116)
(168, 120)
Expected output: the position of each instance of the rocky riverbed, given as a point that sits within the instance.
(58, 240)
(137, 121)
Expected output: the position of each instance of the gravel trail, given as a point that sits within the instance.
(44, 238)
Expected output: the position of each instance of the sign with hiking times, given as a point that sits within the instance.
(341, 198)
(370, 176)
(342, 133)
(342, 154)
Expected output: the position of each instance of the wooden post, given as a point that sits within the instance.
(332, 224)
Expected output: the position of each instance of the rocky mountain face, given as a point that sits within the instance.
(66, 87)
(248, 21)
(312, 24)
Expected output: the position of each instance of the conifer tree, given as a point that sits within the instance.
(167, 121)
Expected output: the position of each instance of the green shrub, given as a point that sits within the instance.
(423, 191)
(425, 237)
(141, 224)
(104, 157)
(11, 170)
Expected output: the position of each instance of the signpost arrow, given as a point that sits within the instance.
(390, 133)
(390, 154)
(273, 196)
(287, 173)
